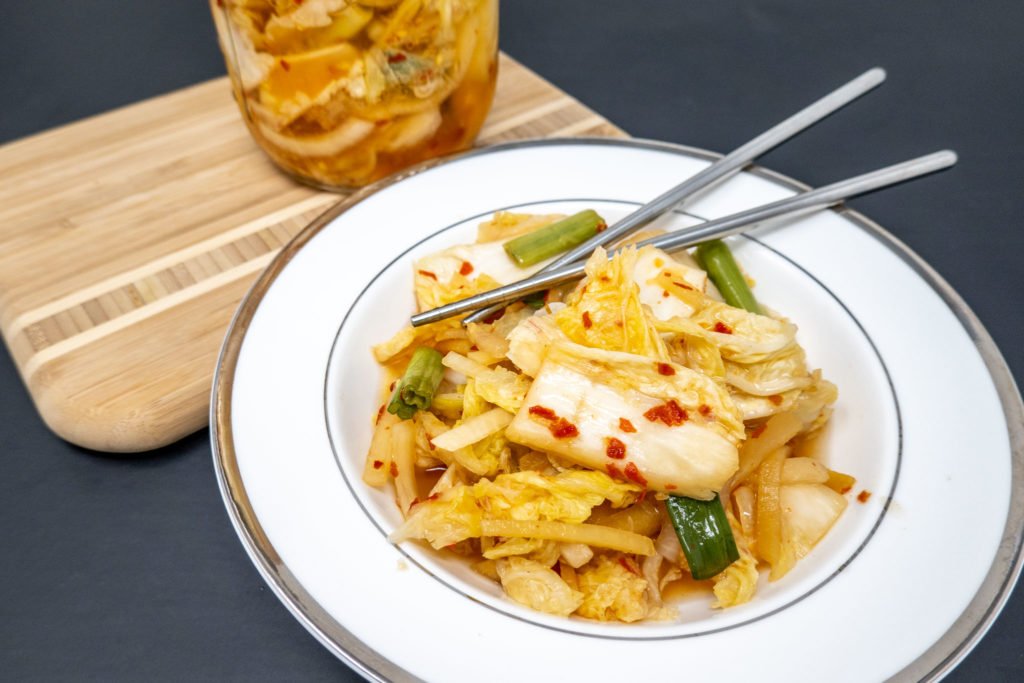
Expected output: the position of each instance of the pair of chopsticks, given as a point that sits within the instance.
(570, 266)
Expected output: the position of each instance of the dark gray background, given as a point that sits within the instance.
(126, 568)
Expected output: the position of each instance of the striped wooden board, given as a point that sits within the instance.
(128, 239)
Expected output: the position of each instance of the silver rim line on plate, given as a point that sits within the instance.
(933, 664)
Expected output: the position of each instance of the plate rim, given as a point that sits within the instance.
(933, 664)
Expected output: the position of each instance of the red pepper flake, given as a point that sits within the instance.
(626, 426)
(846, 489)
(704, 410)
(628, 565)
(377, 464)
(604, 278)
(587, 322)
(393, 470)
(433, 496)
(563, 429)
(670, 412)
(758, 430)
(392, 386)
(430, 444)
(664, 294)
(776, 399)
(414, 503)
(542, 412)
(466, 268)
(722, 328)
(474, 347)
(601, 227)
(666, 369)
(396, 58)
(616, 450)
(863, 496)
(677, 283)
(670, 487)
(285, 65)
(633, 474)
(380, 414)
(613, 470)
(427, 273)
(220, 3)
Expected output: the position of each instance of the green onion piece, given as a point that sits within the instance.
(704, 533)
(536, 300)
(717, 260)
(551, 240)
(415, 391)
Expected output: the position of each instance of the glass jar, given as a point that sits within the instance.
(340, 93)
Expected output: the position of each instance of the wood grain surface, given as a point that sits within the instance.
(128, 239)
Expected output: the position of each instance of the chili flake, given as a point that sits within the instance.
(563, 429)
(377, 464)
(427, 273)
(587, 322)
(466, 268)
(863, 496)
(393, 470)
(542, 412)
(626, 426)
(616, 450)
(560, 427)
(722, 328)
(670, 412)
(633, 474)
(666, 369)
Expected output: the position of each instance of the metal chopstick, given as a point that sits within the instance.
(725, 167)
(801, 204)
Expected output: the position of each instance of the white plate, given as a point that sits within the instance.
(928, 420)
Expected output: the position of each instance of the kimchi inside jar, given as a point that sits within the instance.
(342, 92)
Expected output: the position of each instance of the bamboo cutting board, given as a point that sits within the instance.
(128, 239)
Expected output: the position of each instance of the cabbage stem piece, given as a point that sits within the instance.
(415, 391)
(473, 429)
(551, 240)
(704, 533)
(594, 535)
(659, 425)
(716, 258)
